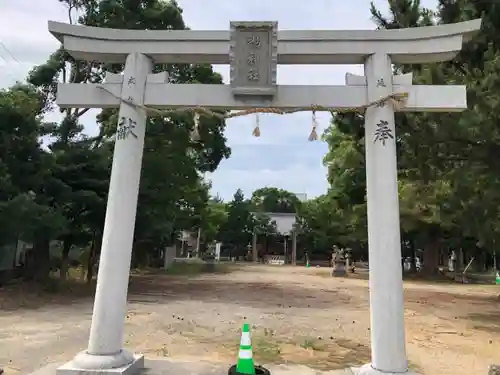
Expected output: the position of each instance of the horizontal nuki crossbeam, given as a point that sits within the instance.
(160, 95)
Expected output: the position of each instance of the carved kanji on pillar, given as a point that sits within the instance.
(383, 132)
(126, 128)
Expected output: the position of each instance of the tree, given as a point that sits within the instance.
(82, 174)
(25, 177)
(172, 193)
(270, 199)
(238, 228)
(444, 160)
(214, 216)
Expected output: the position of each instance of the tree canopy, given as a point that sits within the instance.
(54, 176)
(448, 180)
(62, 188)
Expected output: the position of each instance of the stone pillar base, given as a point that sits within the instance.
(494, 370)
(369, 370)
(339, 273)
(339, 269)
(124, 363)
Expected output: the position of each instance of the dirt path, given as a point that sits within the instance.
(298, 317)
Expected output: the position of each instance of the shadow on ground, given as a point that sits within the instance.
(430, 297)
(28, 295)
(156, 289)
(488, 322)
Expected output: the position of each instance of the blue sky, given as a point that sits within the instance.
(282, 156)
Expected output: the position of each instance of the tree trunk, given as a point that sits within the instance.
(254, 247)
(41, 255)
(94, 252)
(63, 270)
(413, 256)
(460, 261)
(431, 257)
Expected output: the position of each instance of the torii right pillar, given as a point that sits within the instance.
(388, 348)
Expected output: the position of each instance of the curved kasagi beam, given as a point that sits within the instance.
(405, 46)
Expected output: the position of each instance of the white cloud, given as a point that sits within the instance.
(297, 178)
(24, 33)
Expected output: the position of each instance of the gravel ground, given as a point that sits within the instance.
(299, 316)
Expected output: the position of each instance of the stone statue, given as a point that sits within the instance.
(452, 261)
(338, 260)
(349, 264)
(494, 370)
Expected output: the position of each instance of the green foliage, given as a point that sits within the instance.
(270, 199)
(25, 168)
(448, 175)
(60, 193)
(238, 228)
(214, 216)
(449, 181)
(264, 225)
(236, 222)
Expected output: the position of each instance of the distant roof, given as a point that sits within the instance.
(284, 221)
(301, 196)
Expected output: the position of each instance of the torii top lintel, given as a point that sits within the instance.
(405, 46)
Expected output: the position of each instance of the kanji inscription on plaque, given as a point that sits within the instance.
(253, 58)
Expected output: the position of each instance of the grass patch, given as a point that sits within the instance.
(323, 272)
(319, 354)
(196, 267)
(266, 349)
(312, 344)
(413, 367)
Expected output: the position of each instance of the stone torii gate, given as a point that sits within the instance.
(253, 49)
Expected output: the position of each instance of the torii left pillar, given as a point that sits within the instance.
(105, 349)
